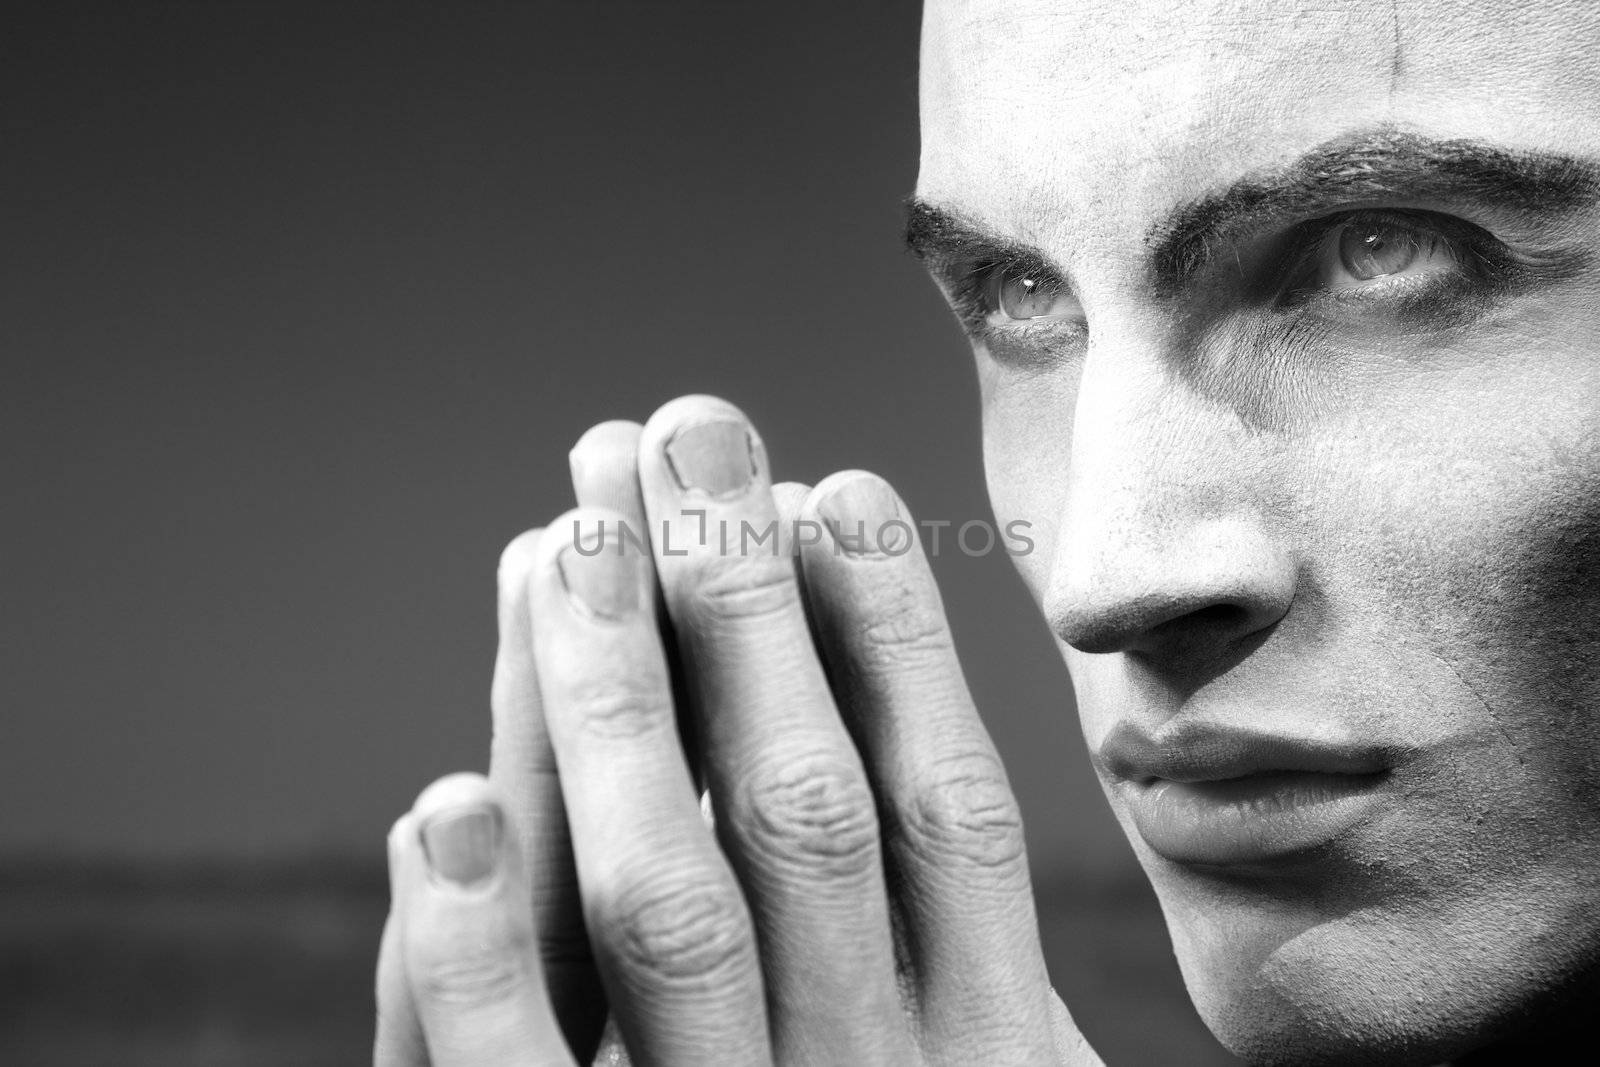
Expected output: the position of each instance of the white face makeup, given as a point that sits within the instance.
(1287, 324)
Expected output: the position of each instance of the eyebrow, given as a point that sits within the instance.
(1374, 165)
(948, 243)
(934, 233)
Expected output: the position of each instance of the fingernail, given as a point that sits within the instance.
(603, 576)
(463, 845)
(863, 517)
(714, 457)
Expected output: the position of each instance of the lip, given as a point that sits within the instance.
(1216, 796)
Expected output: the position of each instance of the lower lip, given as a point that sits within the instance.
(1259, 817)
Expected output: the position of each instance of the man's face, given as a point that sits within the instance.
(1287, 324)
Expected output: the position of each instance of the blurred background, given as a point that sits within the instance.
(303, 305)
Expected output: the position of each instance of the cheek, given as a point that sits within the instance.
(1027, 438)
(1463, 526)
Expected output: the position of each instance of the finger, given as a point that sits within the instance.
(952, 829)
(669, 926)
(788, 498)
(794, 809)
(605, 470)
(471, 958)
(399, 1041)
(1072, 1048)
(605, 474)
(523, 768)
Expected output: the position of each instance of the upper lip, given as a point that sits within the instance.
(1198, 751)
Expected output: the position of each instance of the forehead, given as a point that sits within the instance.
(1059, 121)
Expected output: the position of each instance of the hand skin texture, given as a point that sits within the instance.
(865, 896)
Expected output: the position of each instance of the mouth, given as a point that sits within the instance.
(1208, 796)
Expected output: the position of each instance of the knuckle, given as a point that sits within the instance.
(906, 635)
(476, 978)
(814, 812)
(752, 588)
(683, 931)
(964, 812)
(617, 707)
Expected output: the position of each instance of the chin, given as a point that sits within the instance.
(1295, 975)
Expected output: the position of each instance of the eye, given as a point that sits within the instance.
(1379, 252)
(1372, 250)
(1014, 295)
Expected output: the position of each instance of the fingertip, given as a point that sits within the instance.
(855, 489)
(605, 467)
(598, 567)
(461, 789)
(694, 432)
(461, 824)
(518, 556)
(692, 408)
(790, 497)
(583, 526)
(614, 437)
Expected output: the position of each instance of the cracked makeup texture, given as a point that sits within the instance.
(1328, 522)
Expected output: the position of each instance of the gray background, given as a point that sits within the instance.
(302, 308)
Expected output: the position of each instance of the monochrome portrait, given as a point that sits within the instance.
(968, 532)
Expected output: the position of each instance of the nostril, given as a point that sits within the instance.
(1100, 625)
(1188, 599)
(1149, 625)
(1199, 633)
(1163, 625)
(1224, 618)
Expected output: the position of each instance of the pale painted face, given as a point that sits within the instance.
(1288, 329)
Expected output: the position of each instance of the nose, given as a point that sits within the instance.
(1167, 547)
(1170, 594)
